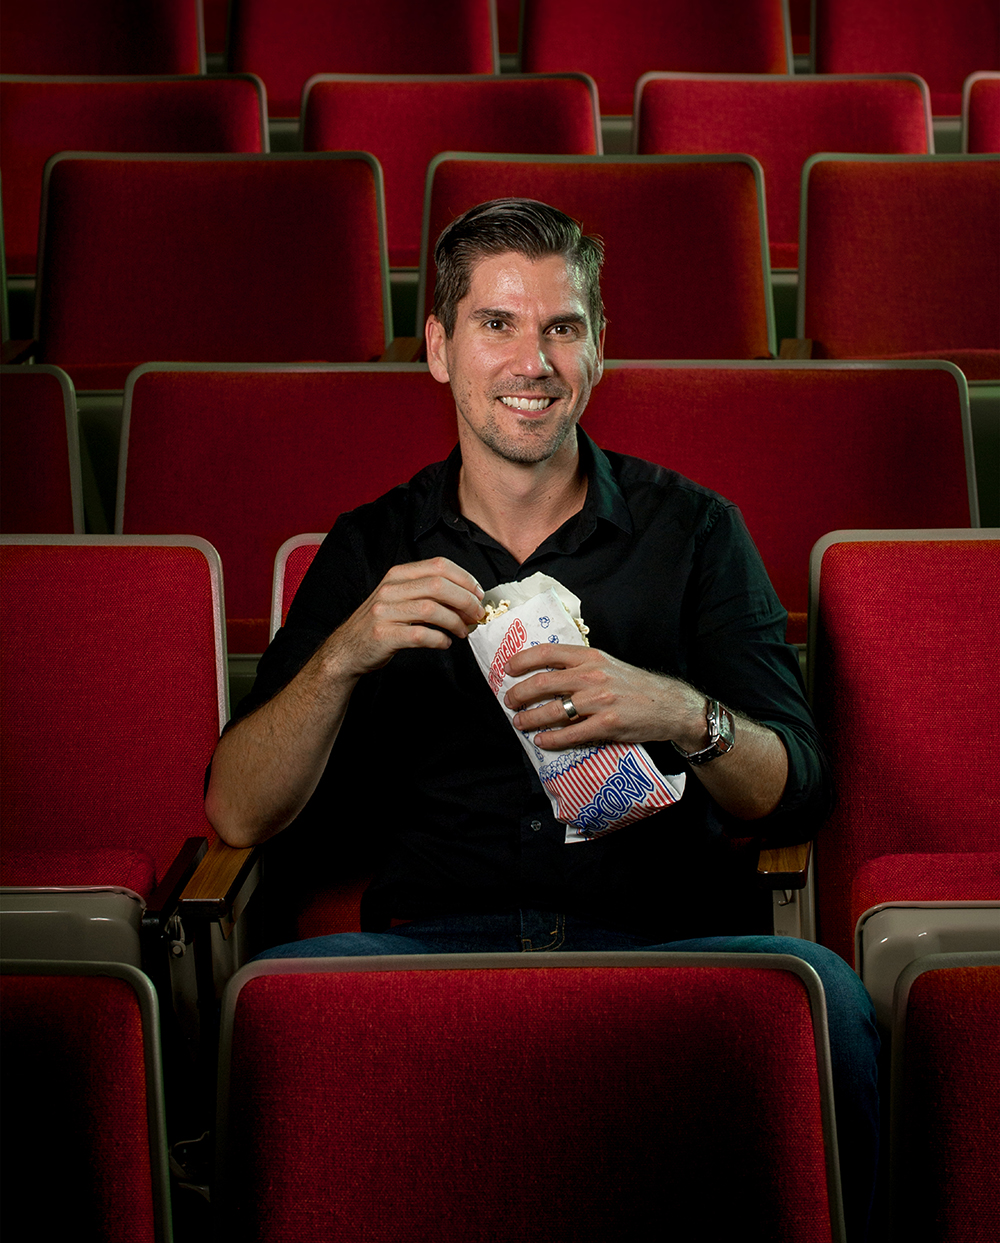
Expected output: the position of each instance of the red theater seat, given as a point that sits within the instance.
(266, 258)
(781, 121)
(617, 41)
(101, 36)
(900, 258)
(905, 657)
(802, 448)
(686, 274)
(40, 488)
(113, 700)
(406, 121)
(287, 41)
(467, 1098)
(247, 457)
(981, 113)
(942, 42)
(40, 116)
(945, 1142)
(84, 1136)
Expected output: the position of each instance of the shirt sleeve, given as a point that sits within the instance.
(739, 655)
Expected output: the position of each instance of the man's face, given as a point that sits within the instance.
(522, 360)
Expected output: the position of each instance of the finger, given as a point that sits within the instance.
(546, 716)
(441, 589)
(436, 567)
(549, 655)
(419, 610)
(542, 686)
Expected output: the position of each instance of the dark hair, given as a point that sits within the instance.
(524, 226)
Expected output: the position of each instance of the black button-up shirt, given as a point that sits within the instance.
(427, 774)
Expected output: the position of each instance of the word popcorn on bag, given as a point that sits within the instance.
(594, 789)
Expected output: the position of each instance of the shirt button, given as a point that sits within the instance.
(536, 826)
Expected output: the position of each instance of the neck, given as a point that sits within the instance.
(520, 504)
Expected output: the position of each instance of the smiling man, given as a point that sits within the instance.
(371, 684)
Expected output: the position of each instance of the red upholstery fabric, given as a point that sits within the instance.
(296, 564)
(509, 25)
(40, 117)
(941, 42)
(781, 122)
(802, 451)
(970, 877)
(569, 1103)
(36, 493)
(405, 123)
(907, 665)
(694, 267)
(110, 707)
(130, 869)
(617, 41)
(216, 25)
(254, 258)
(903, 259)
(249, 459)
(76, 1142)
(800, 16)
(101, 36)
(982, 124)
(949, 1101)
(287, 41)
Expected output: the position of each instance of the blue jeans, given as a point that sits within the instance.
(854, 1040)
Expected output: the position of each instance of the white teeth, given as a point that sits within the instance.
(527, 403)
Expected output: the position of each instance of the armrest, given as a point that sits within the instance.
(222, 885)
(784, 867)
(163, 900)
(16, 351)
(796, 347)
(403, 350)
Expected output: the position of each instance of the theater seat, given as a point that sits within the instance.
(40, 478)
(502, 1096)
(981, 113)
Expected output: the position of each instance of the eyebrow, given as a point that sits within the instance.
(495, 312)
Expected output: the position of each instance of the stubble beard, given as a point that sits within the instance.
(537, 442)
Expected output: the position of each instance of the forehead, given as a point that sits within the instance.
(512, 280)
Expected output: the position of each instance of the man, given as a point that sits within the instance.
(371, 680)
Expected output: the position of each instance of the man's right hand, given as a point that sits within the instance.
(419, 604)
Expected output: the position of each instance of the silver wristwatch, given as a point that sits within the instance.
(721, 735)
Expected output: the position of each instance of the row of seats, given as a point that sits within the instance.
(406, 121)
(615, 41)
(306, 1147)
(248, 456)
(906, 636)
(284, 257)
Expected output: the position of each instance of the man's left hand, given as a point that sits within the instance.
(616, 702)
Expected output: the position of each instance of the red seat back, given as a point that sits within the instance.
(802, 448)
(267, 258)
(294, 557)
(781, 121)
(906, 657)
(113, 701)
(101, 36)
(40, 116)
(82, 1095)
(902, 259)
(617, 41)
(248, 457)
(40, 489)
(406, 121)
(685, 238)
(287, 41)
(943, 43)
(981, 113)
(946, 1099)
(579, 1100)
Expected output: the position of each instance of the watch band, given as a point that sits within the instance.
(721, 735)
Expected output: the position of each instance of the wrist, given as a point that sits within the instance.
(716, 737)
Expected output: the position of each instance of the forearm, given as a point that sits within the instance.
(267, 766)
(749, 780)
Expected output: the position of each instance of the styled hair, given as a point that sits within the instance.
(525, 227)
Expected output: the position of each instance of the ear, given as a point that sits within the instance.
(599, 371)
(437, 349)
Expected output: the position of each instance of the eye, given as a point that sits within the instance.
(495, 325)
(564, 330)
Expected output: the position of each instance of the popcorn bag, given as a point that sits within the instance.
(594, 789)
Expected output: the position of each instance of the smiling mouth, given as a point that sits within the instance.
(527, 403)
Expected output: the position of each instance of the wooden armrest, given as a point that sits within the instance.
(16, 351)
(784, 867)
(222, 885)
(796, 347)
(403, 350)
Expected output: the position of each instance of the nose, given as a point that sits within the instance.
(531, 357)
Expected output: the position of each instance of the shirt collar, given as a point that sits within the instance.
(605, 499)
